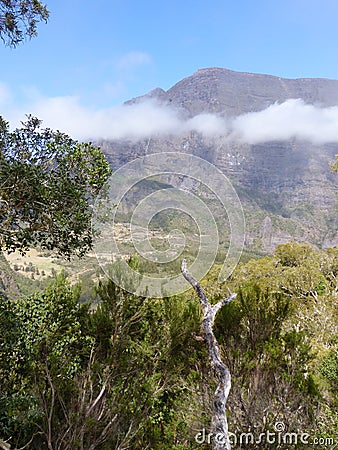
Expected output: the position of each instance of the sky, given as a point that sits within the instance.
(92, 56)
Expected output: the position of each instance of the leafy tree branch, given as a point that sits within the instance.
(19, 20)
(47, 184)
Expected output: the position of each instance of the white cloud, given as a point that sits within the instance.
(134, 121)
(131, 121)
(134, 59)
(207, 124)
(291, 119)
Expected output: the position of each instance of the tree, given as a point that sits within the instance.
(19, 19)
(47, 184)
(44, 345)
(220, 431)
(106, 378)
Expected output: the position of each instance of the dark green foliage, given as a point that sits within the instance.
(269, 363)
(150, 342)
(329, 365)
(47, 182)
(128, 373)
(44, 341)
(19, 19)
(57, 355)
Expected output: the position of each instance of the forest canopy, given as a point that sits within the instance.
(127, 372)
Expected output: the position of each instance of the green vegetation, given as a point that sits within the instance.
(47, 182)
(90, 366)
(19, 19)
(126, 371)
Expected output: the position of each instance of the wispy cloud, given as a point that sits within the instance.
(135, 121)
(293, 119)
(133, 59)
(131, 121)
(209, 125)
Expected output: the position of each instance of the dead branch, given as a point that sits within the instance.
(219, 430)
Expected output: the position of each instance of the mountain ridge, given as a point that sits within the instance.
(287, 184)
(322, 91)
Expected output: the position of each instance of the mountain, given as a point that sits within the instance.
(286, 186)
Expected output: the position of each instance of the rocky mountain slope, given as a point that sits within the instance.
(286, 187)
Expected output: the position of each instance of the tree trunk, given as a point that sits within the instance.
(219, 431)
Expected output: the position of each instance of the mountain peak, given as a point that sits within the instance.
(286, 180)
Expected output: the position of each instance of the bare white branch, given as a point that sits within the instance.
(219, 430)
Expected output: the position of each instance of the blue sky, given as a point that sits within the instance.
(97, 54)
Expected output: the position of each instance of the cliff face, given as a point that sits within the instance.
(287, 188)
